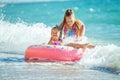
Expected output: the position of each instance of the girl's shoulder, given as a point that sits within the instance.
(79, 23)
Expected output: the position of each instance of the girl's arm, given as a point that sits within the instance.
(82, 31)
(81, 28)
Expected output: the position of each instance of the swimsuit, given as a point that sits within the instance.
(57, 43)
(69, 33)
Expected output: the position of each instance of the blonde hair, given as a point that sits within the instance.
(78, 23)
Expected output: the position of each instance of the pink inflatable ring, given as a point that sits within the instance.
(39, 53)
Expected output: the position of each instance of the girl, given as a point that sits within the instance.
(73, 27)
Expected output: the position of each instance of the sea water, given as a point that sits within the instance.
(29, 23)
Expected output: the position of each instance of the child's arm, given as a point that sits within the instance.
(50, 42)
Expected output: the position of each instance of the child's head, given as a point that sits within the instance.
(55, 33)
(69, 17)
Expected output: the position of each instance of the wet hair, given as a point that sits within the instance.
(55, 27)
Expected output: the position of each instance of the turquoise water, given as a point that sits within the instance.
(106, 12)
(23, 24)
(99, 20)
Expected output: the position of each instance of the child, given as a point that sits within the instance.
(54, 40)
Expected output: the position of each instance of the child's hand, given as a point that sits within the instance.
(43, 44)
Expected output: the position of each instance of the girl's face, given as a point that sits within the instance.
(70, 20)
(55, 34)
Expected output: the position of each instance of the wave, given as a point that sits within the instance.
(102, 57)
(16, 37)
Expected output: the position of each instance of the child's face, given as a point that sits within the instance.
(55, 34)
(70, 20)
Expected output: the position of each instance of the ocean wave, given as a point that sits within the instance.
(18, 36)
(107, 56)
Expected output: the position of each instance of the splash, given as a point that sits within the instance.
(102, 56)
(16, 37)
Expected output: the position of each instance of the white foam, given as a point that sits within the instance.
(80, 40)
(102, 56)
(17, 37)
(20, 35)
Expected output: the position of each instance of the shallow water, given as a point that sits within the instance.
(51, 71)
(13, 66)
